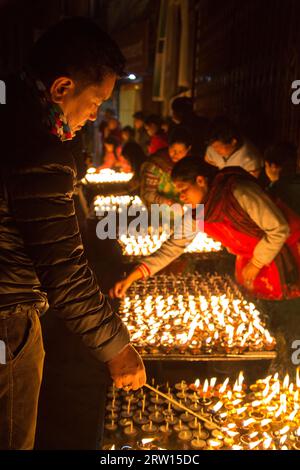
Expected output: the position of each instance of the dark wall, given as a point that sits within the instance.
(246, 58)
(21, 22)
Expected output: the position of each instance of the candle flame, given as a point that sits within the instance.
(232, 433)
(265, 422)
(266, 390)
(213, 382)
(286, 382)
(236, 402)
(213, 443)
(241, 410)
(267, 443)
(298, 377)
(231, 425)
(292, 415)
(248, 421)
(91, 170)
(205, 386)
(218, 406)
(252, 445)
(147, 440)
(282, 440)
(197, 383)
(284, 430)
(256, 403)
(223, 387)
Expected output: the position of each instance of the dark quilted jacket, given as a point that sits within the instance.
(41, 251)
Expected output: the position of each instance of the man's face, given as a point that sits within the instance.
(81, 107)
(151, 129)
(138, 123)
(177, 151)
(223, 149)
(192, 193)
(112, 124)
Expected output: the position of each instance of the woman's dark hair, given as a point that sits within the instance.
(153, 119)
(182, 106)
(112, 141)
(284, 155)
(134, 153)
(189, 168)
(224, 130)
(76, 48)
(139, 115)
(130, 131)
(180, 135)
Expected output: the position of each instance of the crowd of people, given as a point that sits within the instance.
(151, 148)
(251, 205)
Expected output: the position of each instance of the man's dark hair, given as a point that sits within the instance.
(182, 106)
(189, 168)
(75, 48)
(180, 135)
(153, 119)
(139, 115)
(224, 130)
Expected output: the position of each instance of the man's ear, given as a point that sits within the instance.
(201, 181)
(61, 88)
(234, 142)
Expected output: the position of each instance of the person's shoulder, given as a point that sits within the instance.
(213, 155)
(250, 150)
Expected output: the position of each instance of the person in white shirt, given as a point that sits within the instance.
(227, 147)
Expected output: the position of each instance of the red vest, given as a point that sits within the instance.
(227, 222)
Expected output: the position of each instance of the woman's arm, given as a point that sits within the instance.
(268, 217)
(168, 252)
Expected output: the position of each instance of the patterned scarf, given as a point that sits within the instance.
(58, 124)
(54, 116)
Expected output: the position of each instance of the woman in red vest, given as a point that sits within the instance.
(239, 214)
(264, 236)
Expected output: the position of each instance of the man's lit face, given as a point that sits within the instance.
(151, 129)
(138, 123)
(192, 193)
(223, 149)
(177, 151)
(81, 107)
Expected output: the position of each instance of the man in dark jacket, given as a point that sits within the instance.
(72, 69)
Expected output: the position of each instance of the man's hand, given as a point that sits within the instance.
(119, 289)
(127, 369)
(249, 274)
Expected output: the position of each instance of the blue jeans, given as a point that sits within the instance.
(20, 376)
